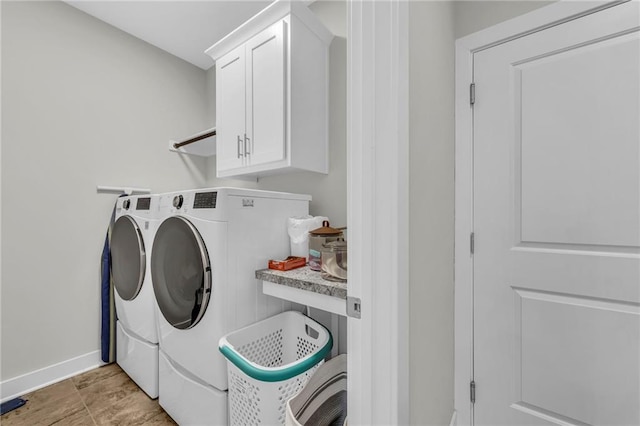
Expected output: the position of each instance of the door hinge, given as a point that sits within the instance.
(472, 389)
(472, 242)
(354, 307)
(472, 93)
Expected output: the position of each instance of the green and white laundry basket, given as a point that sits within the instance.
(269, 362)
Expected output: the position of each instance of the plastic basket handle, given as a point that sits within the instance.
(275, 374)
(311, 332)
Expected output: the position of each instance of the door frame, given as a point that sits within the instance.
(378, 210)
(549, 16)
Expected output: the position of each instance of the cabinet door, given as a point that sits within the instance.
(266, 74)
(230, 109)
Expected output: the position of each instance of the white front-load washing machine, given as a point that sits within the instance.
(203, 263)
(136, 326)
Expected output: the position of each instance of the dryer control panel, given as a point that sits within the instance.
(205, 200)
(143, 203)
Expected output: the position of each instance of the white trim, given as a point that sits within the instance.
(463, 274)
(378, 211)
(263, 19)
(454, 419)
(332, 304)
(537, 20)
(46, 376)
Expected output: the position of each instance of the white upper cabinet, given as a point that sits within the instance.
(265, 73)
(230, 108)
(272, 86)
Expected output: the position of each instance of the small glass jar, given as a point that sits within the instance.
(317, 238)
(334, 260)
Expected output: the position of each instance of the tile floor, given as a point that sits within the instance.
(104, 396)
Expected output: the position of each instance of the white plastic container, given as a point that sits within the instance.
(269, 362)
(298, 229)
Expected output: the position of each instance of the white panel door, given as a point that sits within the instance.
(230, 107)
(266, 95)
(557, 225)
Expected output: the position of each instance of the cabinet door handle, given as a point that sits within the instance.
(246, 146)
(239, 144)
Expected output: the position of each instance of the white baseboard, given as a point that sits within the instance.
(454, 419)
(46, 376)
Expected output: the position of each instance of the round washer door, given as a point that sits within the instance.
(128, 257)
(181, 272)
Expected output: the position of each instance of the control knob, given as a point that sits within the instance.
(177, 201)
(126, 204)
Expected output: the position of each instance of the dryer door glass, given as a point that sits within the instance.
(128, 258)
(181, 272)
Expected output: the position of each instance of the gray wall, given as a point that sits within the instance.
(433, 28)
(83, 104)
(329, 192)
(431, 195)
(472, 16)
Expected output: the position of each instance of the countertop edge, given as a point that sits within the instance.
(295, 278)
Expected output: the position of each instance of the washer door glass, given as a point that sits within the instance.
(181, 272)
(128, 258)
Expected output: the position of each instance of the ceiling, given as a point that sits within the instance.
(183, 28)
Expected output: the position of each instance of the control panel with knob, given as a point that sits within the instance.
(177, 201)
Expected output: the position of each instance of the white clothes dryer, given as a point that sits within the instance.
(203, 263)
(136, 326)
